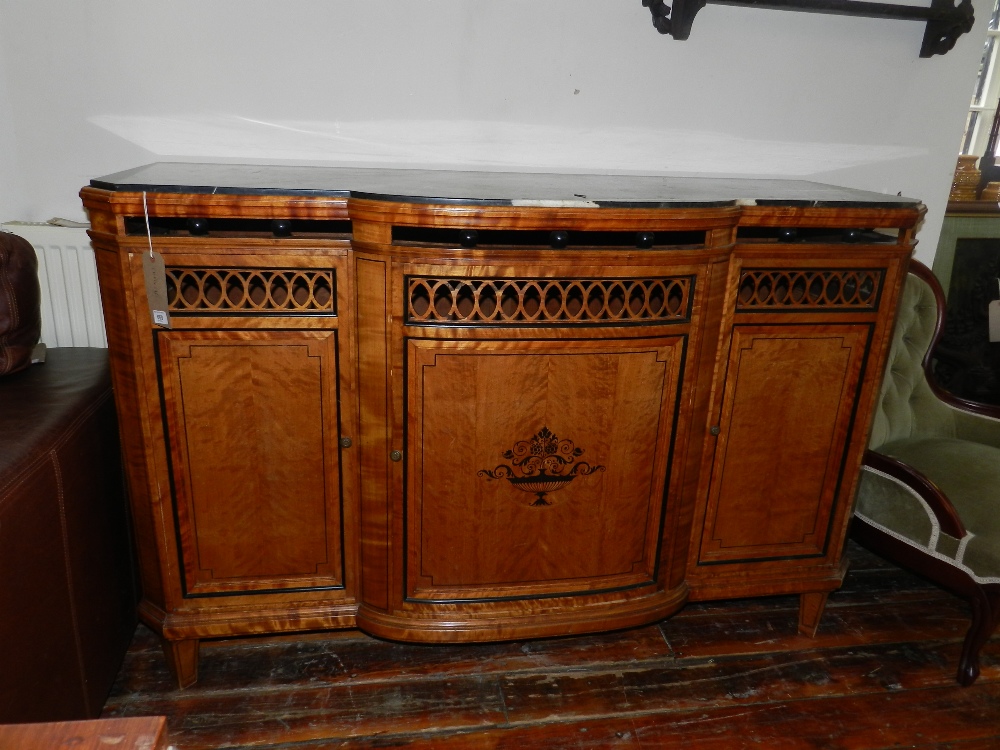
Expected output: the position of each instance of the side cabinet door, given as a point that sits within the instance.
(788, 409)
(251, 422)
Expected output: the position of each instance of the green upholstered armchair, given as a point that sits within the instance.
(929, 493)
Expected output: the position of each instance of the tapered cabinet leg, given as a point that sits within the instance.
(811, 608)
(182, 659)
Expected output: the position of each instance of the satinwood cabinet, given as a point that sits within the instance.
(443, 406)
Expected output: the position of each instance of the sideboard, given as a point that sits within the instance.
(458, 406)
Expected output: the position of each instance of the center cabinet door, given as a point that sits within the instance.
(536, 467)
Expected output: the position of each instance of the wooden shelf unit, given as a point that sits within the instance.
(474, 419)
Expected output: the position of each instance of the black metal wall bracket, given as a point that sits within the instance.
(946, 22)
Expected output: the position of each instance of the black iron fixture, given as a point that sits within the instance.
(946, 22)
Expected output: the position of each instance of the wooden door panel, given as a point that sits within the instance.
(252, 426)
(786, 416)
(536, 468)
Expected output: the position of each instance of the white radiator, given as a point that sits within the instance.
(67, 274)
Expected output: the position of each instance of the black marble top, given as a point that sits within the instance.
(490, 188)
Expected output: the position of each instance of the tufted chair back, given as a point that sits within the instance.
(907, 404)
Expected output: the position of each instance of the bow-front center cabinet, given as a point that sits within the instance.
(457, 406)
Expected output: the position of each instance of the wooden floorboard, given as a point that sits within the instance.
(879, 674)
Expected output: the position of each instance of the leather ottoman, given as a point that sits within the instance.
(67, 593)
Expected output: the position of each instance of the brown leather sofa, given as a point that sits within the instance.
(67, 590)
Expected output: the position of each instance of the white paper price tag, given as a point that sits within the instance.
(155, 275)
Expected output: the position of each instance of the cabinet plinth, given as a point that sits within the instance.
(533, 406)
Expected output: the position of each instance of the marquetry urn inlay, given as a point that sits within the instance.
(541, 465)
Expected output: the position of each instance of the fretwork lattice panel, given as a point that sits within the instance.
(271, 291)
(548, 301)
(797, 289)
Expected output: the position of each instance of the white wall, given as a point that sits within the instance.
(99, 86)
(12, 198)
